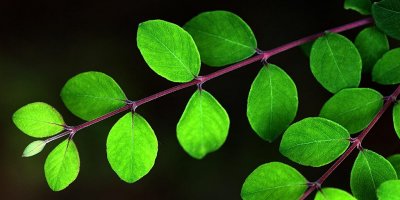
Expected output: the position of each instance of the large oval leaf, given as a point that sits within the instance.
(335, 62)
(387, 70)
(91, 94)
(222, 37)
(272, 102)
(333, 194)
(389, 190)
(131, 147)
(314, 141)
(396, 118)
(372, 44)
(62, 165)
(274, 180)
(395, 161)
(361, 6)
(204, 125)
(353, 108)
(386, 14)
(38, 120)
(169, 50)
(369, 171)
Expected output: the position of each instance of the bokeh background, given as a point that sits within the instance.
(44, 43)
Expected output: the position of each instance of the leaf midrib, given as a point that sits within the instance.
(336, 64)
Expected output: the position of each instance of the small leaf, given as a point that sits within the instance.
(386, 14)
(372, 44)
(333, 194)
(396, 118)
(204, 125)
(387, 70)
(306, 48)
(272, 102)
(131, 147)
(369, 171)
(274, 180)
(389, 190)
(169, 50)
(361, 6)
(91, 94)
(222, 37)
(353, 108)
(335, 62)
(62, 165)
(314, 141)
(395, 161)
(38, 120)
(34, 148)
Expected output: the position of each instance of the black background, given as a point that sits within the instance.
(44, 43)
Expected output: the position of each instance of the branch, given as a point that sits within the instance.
(356, 143)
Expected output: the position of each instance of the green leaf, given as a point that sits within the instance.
(335, 62)
(272, 102)
(333, 194)
(91, 94)
(169, 50)
(353, 108)
(62, 165)
(395, 161)
(131, 147)
(386, 14)
(222, 37)
(306, 48)
(361, 6)
(369, 171)
(38, 120)
(389, 190)
(372, 44)
(396, 118)
(204, 125)
(34, 148)
(274, 180)
(314, 141)
(387, 70)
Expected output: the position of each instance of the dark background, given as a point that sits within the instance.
(44, 43)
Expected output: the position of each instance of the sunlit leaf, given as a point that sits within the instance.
(131, 147)
(38, 120)
(272, 102)
(222, 37)
(34, 148)
(389, 190)
(204, 125)
(333, 194)
(91, 94)
(386, 14)
(62, 165)
(274, 180)
(314, 141)
(387, 70)
(168, 50)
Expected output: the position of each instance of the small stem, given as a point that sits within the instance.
(58, 136)
(390, 101)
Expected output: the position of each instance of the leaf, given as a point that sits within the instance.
(131, 147)
(272, 102)
(396, 118)
(169, 50)
(389, 190)
(369, 171)
(371, 44)
(34, 148)
(204, 125)
(386, 14)
(361, 6)
(274, 180)
(387, 70)
(333, 194)
(353, 108)
(306, 48)
(222, 37)
(335, 62)
(92, 94)
(62, 165)
(314, 141)
(395, 161)
(38, 120)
